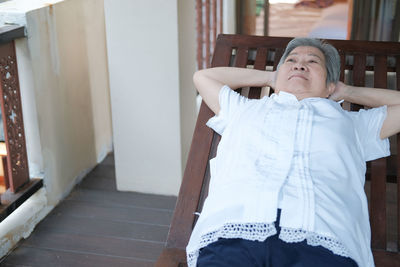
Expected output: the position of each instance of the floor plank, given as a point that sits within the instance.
(30, 256)
(123, 199)
(99, 183)
(100, 227)
(101, 245)
(96, 225)
(103, 170)
(114, 213)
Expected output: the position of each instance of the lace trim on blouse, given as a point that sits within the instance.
(260, 232)
(290, 235)
(248, 231)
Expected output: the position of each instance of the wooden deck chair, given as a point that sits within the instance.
(361, 61)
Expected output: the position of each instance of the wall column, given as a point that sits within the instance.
(145, 83)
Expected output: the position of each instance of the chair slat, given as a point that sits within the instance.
(359, 69)
(222, 56)
(259, 64)
(240, 60)
(378, 203)
(254, 93)
(378, 172)
(398, 159)
(342, 66)
(398, 190)
(358, 75)
(380, 72)
(261, 58)
(241, 57)
(278, 55)
(345, 105)
(398, 73)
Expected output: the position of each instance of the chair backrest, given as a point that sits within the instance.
(361, 62)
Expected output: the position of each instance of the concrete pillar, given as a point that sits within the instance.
(152, 97)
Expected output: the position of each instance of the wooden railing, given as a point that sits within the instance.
(18, 185)
(209, 25)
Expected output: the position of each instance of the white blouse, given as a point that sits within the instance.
(306, 157)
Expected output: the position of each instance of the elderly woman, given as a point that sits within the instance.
(287, 184)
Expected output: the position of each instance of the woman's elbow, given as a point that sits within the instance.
(200, 78)
(196, 76)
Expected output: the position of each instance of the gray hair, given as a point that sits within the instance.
(332, 59)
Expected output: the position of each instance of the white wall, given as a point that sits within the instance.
(65, 100)
(28, 99)
(148, 107)
(69, 87)
(229, 17)
(63, 73)
(96, 49)
(187, 66)
(64, 88)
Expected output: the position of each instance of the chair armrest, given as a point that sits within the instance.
(172, 257)
(384, 258)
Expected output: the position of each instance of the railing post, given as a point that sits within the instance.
(11, 109)
(208, 24)
(14, 158)
(15, 161)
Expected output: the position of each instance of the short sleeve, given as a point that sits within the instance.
(229, 102)
(368, 124)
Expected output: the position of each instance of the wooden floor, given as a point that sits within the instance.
(98, 226)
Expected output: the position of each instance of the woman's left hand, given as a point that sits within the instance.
(339, 92)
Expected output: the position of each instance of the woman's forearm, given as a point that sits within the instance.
(236, 77)
(371, 97)
(209, 82)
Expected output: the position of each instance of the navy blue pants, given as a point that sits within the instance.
(273, 252)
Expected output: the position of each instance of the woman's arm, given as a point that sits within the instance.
(209, 82)
(373, 97)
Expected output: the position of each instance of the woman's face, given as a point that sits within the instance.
(303, 74)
